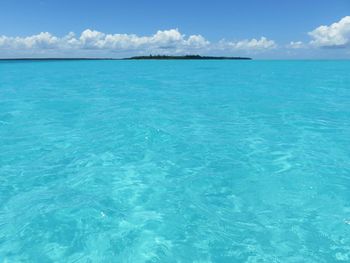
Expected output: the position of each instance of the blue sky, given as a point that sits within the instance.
(258, 28)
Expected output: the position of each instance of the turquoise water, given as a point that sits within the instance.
(175, 161)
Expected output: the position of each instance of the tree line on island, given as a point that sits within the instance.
(190, 57)
(150, 57)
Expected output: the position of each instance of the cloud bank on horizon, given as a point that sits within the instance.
(336, 35)
(166, 41)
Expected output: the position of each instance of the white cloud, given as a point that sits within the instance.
(197, 40)
(44, 40)
(296, 45)
(92, 39)
(163, 41)
(334, 35)
(253, 44)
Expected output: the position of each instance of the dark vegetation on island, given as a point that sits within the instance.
(189, 57)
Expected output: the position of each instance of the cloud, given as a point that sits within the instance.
(253, 44)
(334, 35)
(43, 40)
(296, 45)
(163, 41)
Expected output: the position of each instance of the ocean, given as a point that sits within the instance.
(175, 161)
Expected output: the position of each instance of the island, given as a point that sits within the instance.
(188, 57)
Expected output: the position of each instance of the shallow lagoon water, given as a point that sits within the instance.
(175, 161)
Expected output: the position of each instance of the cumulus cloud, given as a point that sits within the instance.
(334, 35)
(43, 40)
(296, 45)
(163, 41)
(253, 44)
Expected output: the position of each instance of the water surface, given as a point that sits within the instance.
(175, 161)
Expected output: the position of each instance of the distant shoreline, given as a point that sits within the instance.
(188, 57)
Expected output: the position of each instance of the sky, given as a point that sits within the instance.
(266, 29)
